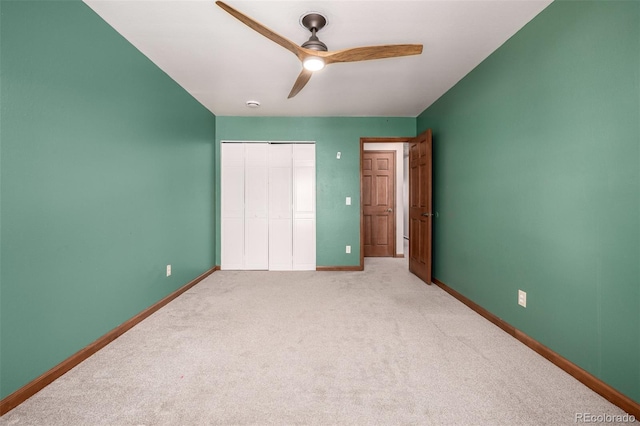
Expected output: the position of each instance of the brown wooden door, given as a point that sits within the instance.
(378, 202)
(420, 207)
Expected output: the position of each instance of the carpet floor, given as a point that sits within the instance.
(377, 347)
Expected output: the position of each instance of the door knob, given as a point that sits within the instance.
(389, 210)
(427, 214)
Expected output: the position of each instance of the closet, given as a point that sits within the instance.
(268, 197)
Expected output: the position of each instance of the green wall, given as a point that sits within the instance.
(337, 224)
(106, 177)
(537, 185)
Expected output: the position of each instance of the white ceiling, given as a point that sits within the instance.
(223, 63)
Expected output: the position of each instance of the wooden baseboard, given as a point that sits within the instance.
(36, 385)
(583, 376)
(399, 255)
(479, 309)
(340, 268)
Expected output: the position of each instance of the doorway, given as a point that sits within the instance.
(415, 160)
(396, 144)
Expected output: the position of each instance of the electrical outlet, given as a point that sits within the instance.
(168, 270)
(522, 298)
(348, 249)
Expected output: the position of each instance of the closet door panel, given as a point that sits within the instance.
(304, 245)
(280, 219)
(233, 244)
(256, 213)
(280, 155)
(280, 199)
(304, 207)
(256, 248)
(256, 175)
(280, 192)
(304, 170)
(280, 245)
(305, 200)
(232, 192)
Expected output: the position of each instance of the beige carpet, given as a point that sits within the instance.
(347, 348)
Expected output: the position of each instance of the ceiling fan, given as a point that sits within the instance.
(314, 54)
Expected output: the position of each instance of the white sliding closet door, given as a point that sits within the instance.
(280, 203)
(304, 207)
(256, 210)
(232, 195)
(268, 206)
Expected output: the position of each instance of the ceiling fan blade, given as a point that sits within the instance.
(372, 52)
(257, 26)
(302, 80)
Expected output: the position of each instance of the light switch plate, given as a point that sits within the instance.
(348, 201)
(522, 298)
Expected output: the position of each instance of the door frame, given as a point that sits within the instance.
(364, 140)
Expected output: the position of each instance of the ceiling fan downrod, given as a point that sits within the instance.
(314, 43)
